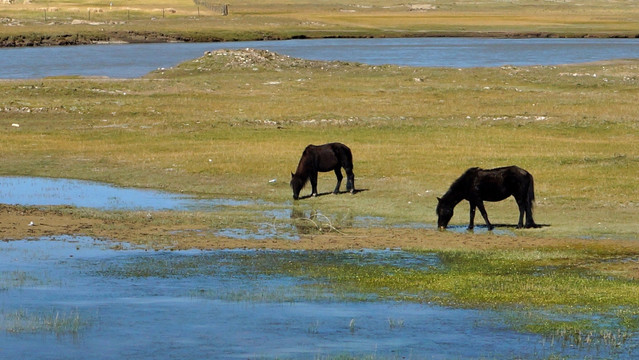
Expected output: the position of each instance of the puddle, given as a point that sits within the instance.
(79, 193)
(219, 304)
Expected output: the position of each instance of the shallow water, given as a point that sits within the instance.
(18, 190)
(195, 304)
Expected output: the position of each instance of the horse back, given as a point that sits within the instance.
(326, 157)
(500, 183)
(343, 155)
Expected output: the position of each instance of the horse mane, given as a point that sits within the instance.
(301, 174)
(458, 186)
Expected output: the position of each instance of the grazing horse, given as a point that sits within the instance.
(477, 185)
(323, 158)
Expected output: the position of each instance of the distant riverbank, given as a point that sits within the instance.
(137, 37)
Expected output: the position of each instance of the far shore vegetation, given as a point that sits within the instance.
(51, 22)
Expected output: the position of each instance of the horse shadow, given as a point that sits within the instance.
(514, 226)
(331, 193)
(503, 226)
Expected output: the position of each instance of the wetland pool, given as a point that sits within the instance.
(78, 298)
(270, 220)
(22, 190)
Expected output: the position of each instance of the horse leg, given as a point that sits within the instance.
(471, 224)
(482, 210)
(313, 178)
(338, 173)
(530, 223)
(525, 208)
(522, 210)
(350, 180)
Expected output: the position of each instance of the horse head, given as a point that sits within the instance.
(444, 213)
(296, 184)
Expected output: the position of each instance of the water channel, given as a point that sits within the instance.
(134, 60)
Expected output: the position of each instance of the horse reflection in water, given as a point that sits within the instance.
(323, 158)
(314, 222)
(478, 185)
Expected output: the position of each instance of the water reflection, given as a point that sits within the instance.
(313, 221)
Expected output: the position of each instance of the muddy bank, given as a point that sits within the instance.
(87, 38)
(80, 38)
(19, 222)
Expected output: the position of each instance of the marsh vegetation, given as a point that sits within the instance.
(381, 304)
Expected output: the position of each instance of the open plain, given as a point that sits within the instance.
(232, 124)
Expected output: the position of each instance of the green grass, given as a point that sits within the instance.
(219, 130)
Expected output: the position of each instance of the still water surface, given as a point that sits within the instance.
(30, 191)
(134, 60)
(134, 304)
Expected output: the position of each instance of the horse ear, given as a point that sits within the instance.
(439, 199)
(292, 175)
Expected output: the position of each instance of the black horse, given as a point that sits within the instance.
(477, 185)
(323, 158)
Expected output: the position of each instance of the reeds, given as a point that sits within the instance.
(57, 322)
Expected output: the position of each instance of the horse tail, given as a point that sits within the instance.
(349, 157)
(531, 192)
(344, 155)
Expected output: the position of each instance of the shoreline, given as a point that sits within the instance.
(129, 37)
(33, 222)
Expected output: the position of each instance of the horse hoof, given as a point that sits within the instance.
(314, 195)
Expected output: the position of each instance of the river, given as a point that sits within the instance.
(134, 60)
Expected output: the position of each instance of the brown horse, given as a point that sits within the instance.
(323, 158)
(477, 185)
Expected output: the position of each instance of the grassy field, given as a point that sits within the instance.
(225, 125)
(40, 22)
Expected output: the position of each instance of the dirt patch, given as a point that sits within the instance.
(17, 222)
